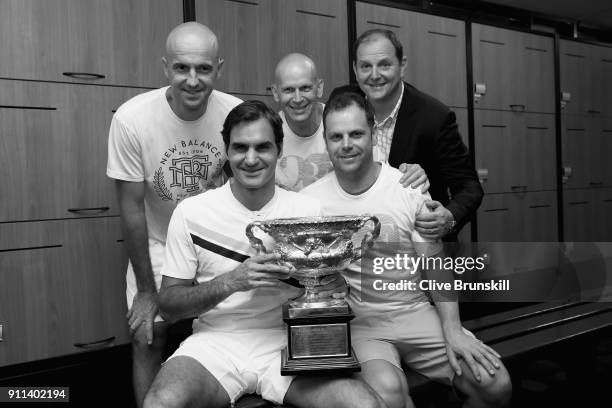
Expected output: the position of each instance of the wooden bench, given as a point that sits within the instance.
(523, 329)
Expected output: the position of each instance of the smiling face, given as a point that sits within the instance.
(192, 67)
(252, 154)
(378, 71)
(349, 141)
(297, 87)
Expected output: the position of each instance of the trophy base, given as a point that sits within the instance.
(318, 365)
(318, 340)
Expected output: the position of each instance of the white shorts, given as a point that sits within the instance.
(413, 336)
(243, 362)
(157, 254)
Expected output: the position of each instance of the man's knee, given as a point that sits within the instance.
(497, 390)
(358, 393)
(140, 343)
(164, 398)
(493, 390)
(389, 386)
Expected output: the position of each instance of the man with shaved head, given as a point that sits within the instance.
(304, 158)
(165, 145)
(296, 88)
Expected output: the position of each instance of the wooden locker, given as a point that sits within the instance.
(605, 212)
(516, 68)
(606, 149)
(102, 42)
(434, 47)
(518, 217)
(579, 221)
(584, 157)
(605, 63)
(581, 77)
(62, 288)
(517, 150)
(244, 31)
(54, 144)
(497, 65)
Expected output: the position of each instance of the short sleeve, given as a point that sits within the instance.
(181, 260)
(124, 153)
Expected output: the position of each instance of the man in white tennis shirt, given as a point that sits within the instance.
(391, 327)
(238, 337)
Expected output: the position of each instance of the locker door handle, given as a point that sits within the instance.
(565, 98)
(483, 175)
(517, 108)
(518, 188)
(83, 75)
(593, 112)
(1, 338)
(596, 184)
(93, 210)
(97, 343)
(567, 173)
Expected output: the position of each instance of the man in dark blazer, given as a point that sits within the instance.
(413, 127)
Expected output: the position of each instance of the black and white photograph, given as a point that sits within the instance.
(305, 203)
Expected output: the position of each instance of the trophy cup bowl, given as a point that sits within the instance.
(314, 247)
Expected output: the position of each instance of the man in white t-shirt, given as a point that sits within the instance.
(297, 89)
(392, 326)
(164, 145)
(211, 272)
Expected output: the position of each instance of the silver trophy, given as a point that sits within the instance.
(318, 329)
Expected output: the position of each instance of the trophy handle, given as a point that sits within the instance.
(369, 237)
(256, 243)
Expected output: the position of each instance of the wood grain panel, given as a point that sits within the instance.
(54, 298)
(581, 77)
(517, 69)
(120, 42)
(518, 217)
(583, 142)
(244, 30)
(54, 146)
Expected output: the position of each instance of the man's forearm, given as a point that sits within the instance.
(137, 241)
(185, 301)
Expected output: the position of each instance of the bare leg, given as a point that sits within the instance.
(184, 382)
(388, 381)
(307, 392)
(490, 391)
(146, 359)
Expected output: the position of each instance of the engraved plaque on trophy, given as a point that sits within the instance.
(318, 330)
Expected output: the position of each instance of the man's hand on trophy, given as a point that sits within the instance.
(257, 272)
(333, 286)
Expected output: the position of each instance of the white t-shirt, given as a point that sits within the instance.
(303, 159)
(396, 208)
(175, 158)
(206, 238)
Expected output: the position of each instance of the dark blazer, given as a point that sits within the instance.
(426, 133)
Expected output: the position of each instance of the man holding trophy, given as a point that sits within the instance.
(212, 272)
(399, 326)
